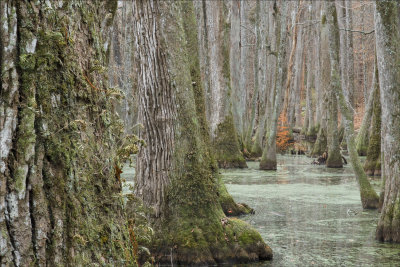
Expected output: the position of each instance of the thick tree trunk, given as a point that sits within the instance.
(58, 130)
(388, 57)
(369, 198)
(184, 192)
(216, 35)
(268, 160)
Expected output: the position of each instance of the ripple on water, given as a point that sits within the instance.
(310, 215)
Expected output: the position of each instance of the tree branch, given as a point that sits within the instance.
(362, 32)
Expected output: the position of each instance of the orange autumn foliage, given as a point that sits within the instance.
(282, 134)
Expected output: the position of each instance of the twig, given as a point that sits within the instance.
(87, 79)
(365, 33)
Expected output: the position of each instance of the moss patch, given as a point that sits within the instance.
(226, 146)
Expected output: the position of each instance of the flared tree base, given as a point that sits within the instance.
(266, 165)
(388, 229)
(209, 240)
(229, 206)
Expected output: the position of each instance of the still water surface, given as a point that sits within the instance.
(310, 215)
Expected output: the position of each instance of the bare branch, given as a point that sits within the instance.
(362, 32)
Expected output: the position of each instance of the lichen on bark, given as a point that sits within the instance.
(64, 146)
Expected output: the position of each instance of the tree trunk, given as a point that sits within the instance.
(388, 57)
(369, 198)
(215, 34)
(58, 129)
(362, 139)
(372, 164)
(268, 160)
(334, 159)
(229, 206)
(174, 169)
(323, 78)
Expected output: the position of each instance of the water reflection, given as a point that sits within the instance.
(310, 215)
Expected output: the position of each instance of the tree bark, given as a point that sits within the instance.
(388, 57)
(323, 79)
(268, 160)
(58, 134)
(372, 164)
(184, 192)
(216, 35)
(362, 139)
(369, 198)
(334, 159)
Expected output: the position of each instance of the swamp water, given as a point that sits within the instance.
(307, 214)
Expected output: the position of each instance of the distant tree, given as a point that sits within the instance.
(369, 198)
(268, 159)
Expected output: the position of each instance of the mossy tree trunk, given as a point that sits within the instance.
(214, 38)
(268, 159)
(362, 139)
(190, 225)
(334, 159)
(372, 164)
(388, 57)
(58, 131)
(369, 198)
(229, 206)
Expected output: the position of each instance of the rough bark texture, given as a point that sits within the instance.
(58, 130)
(388, 57)
(187, 217)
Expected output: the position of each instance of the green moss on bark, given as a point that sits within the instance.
(209, 239)
(226, 146)
(320, 144)
(189, 228)
(74, 131)
(256, 149)
(372, 164)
